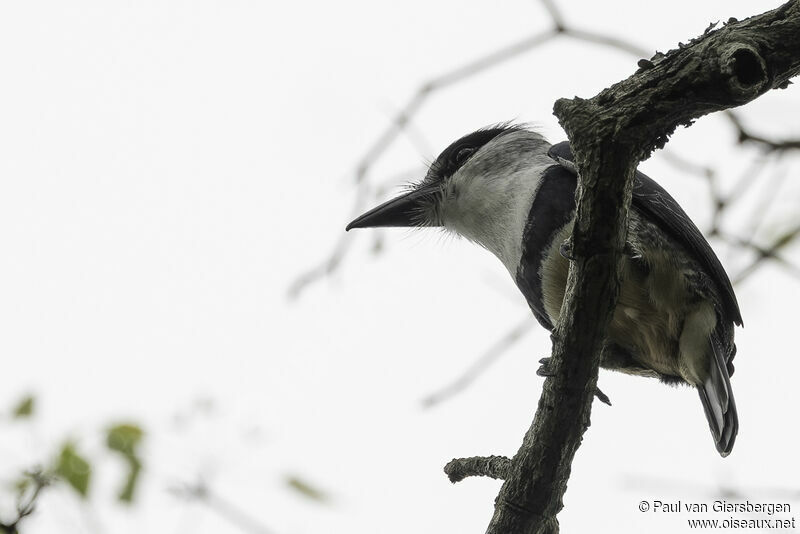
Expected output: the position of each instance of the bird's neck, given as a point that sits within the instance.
(493, 211)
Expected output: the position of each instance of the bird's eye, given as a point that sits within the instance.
(463, 154)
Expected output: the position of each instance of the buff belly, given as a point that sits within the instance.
(660, 326)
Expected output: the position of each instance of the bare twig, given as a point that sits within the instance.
(606, 40)
(721, 202)
(480, 365)
(769, 193)
(26, 507)
(488, 61)
(765, 253)
(555, 14)
(683, 164)
(200, 492)
(332, 262)
(478, 466)
(770, 253)
(769, 145)
(747, 179)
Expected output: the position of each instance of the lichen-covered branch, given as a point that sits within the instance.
(477, 466)
(610, 134)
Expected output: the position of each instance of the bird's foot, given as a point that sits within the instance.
(566, 249)
(602, 397)
(546, 370)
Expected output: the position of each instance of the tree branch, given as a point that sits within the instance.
(610, 134)
(25, 507)
(478, 466)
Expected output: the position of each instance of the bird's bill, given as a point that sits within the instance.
(402, 211)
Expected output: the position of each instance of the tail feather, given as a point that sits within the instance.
(718, 403)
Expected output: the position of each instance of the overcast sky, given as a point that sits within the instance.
(167, 170)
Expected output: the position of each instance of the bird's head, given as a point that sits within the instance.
(480, 187)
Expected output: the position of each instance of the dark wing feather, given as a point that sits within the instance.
(716, 395)
(553, 207)
(658, 206)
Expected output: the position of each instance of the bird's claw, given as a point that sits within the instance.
(546, 370)
(602, 397)
(566, 249)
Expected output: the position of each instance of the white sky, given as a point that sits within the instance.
(168, 168)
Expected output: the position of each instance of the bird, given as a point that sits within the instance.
(507, 189)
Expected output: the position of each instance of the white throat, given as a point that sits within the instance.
(489, 199)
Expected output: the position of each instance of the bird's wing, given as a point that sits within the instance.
(553, 207)
(658, 206)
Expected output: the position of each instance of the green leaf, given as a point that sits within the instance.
(124, 439)
(305, 489)
(24, 407)
(74, 469)
(127, 492)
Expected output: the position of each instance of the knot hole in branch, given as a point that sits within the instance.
(747, 71)
(748, 67)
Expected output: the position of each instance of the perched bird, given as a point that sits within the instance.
(509, 190)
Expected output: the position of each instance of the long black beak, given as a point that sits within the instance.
(404, 210)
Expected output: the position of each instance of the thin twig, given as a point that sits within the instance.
(683, 164)
(769, 253)
(480, 366)
(746, 180)
(27, 507)
(769, 145)
(606, 40)
(769, 194)
(332, 262)
(495, 467)
(555, 14)
(200, 492)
